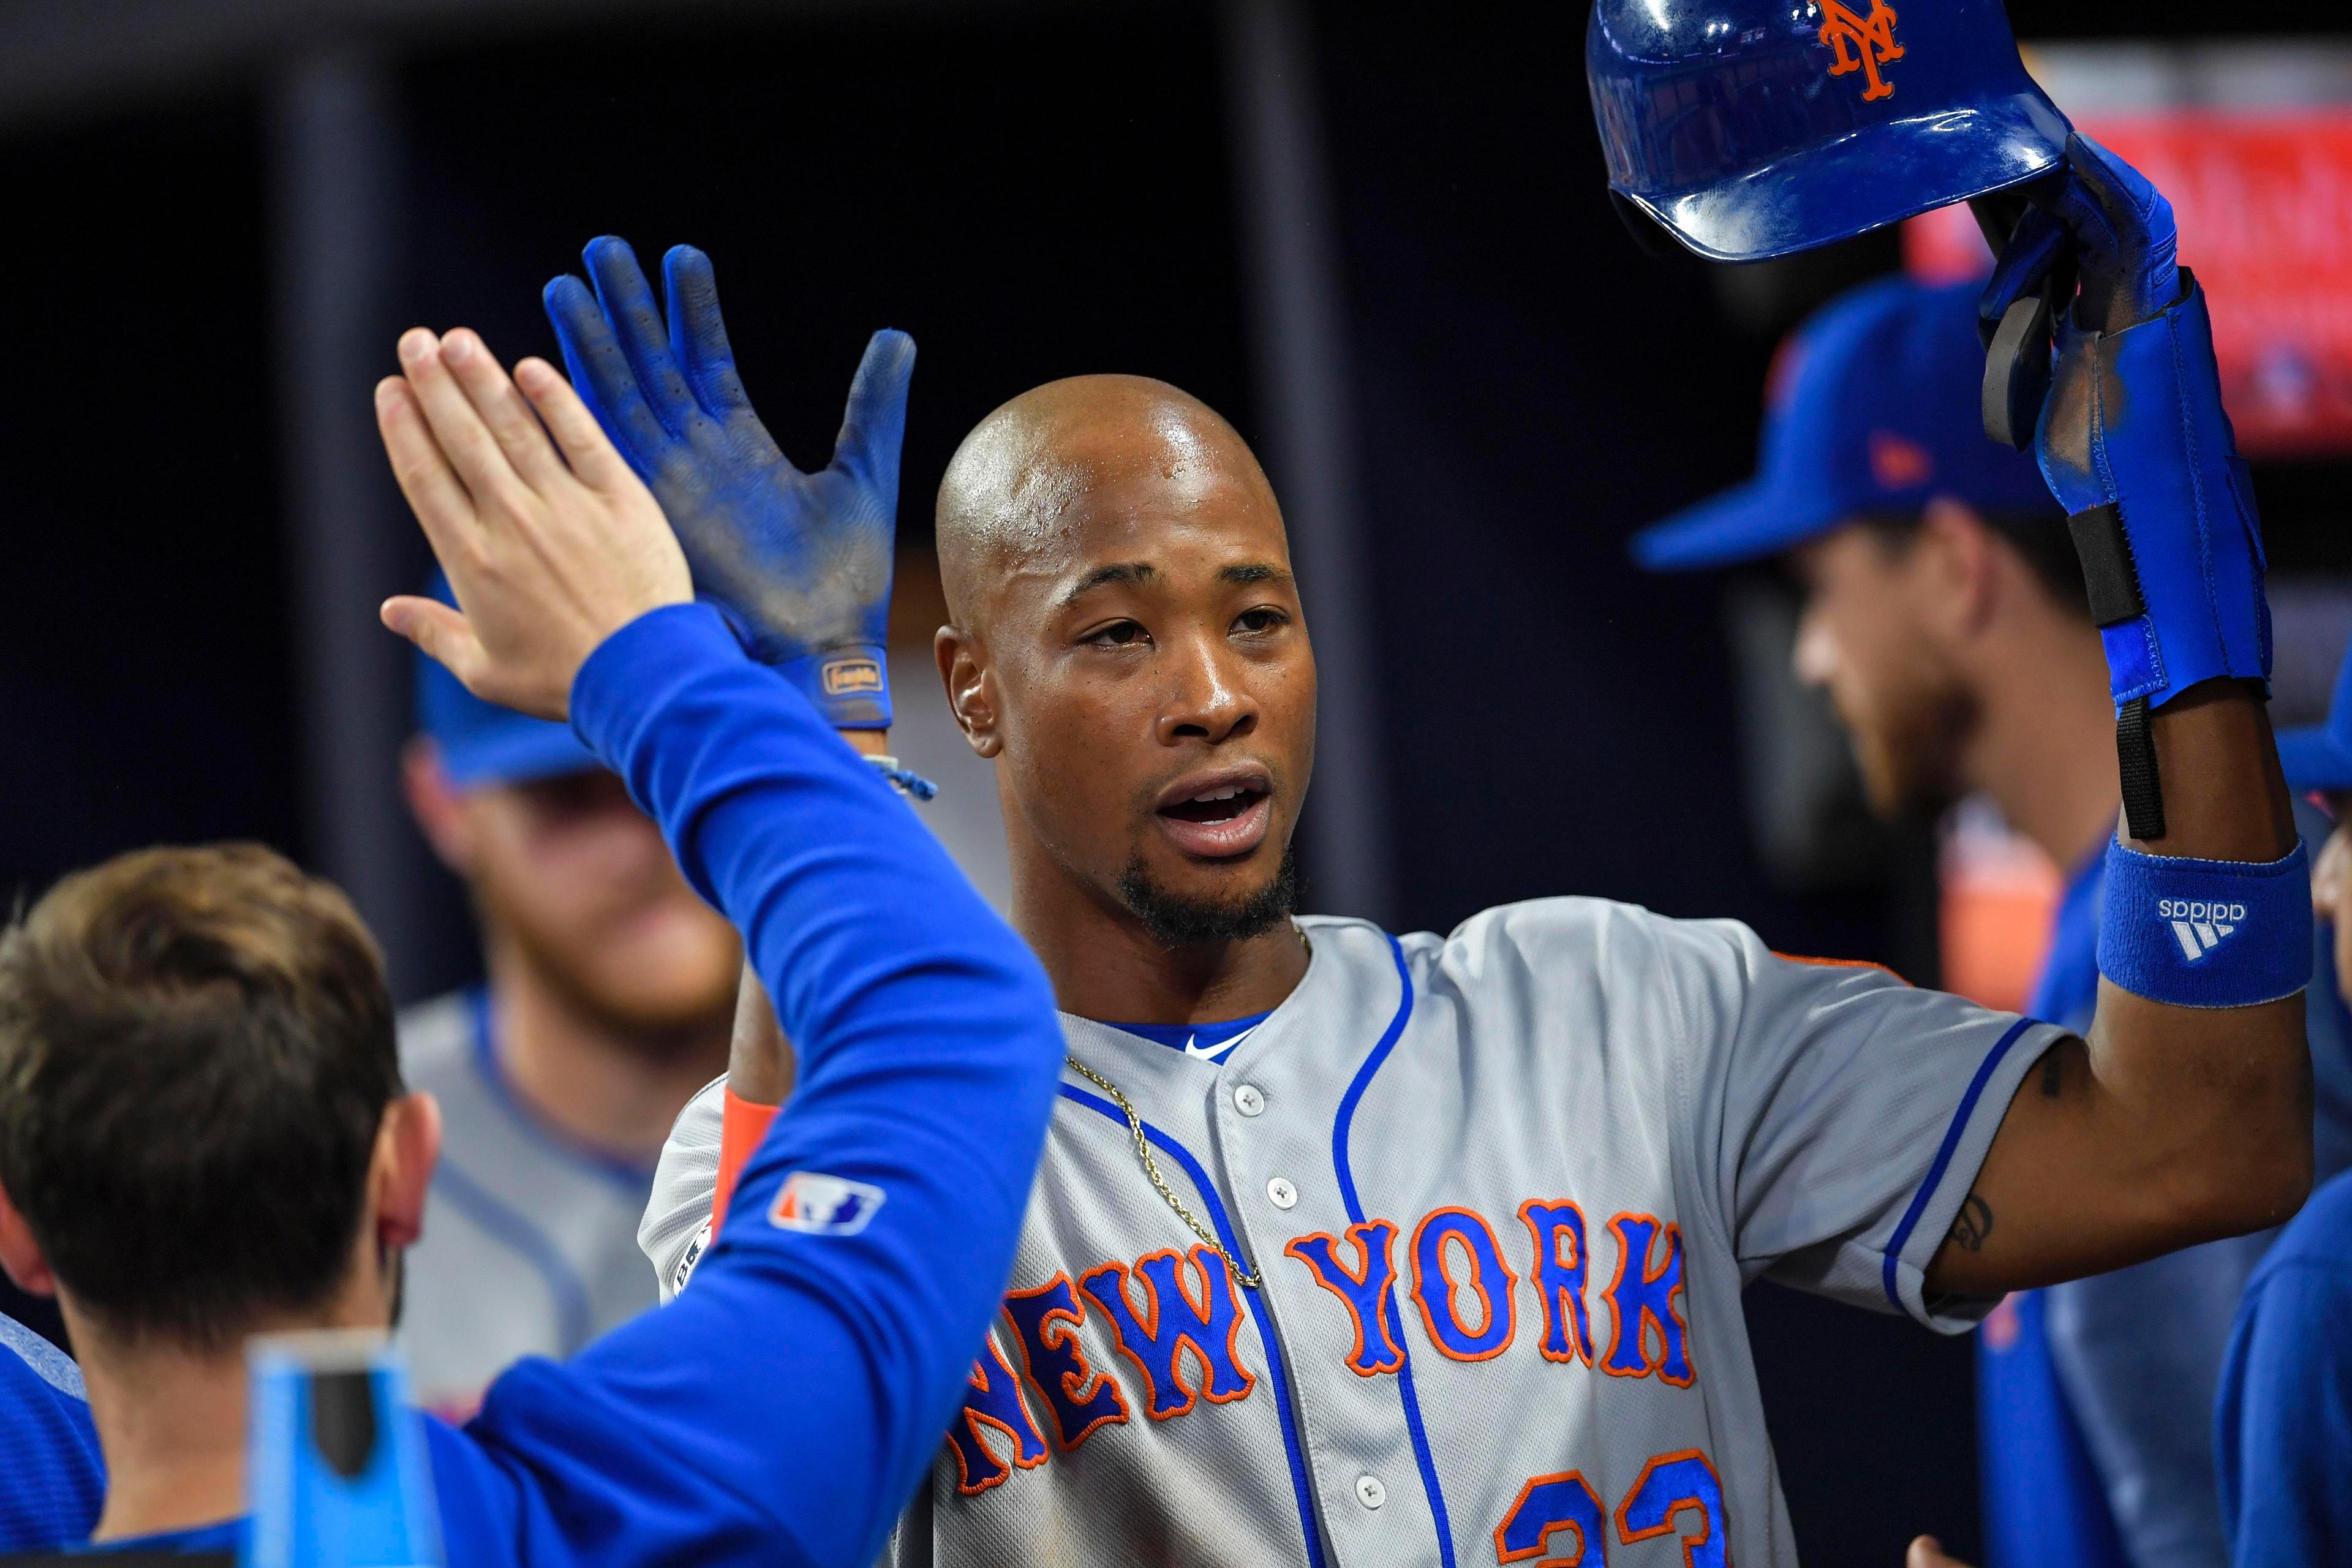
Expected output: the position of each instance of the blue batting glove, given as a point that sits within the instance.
(2135, 444)
(802, 561)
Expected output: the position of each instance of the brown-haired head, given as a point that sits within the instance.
(196, 1054)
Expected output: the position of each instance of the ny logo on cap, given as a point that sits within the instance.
(1862, 43)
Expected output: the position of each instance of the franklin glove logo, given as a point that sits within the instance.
(846, 676)
(1862, 43)
(818, 1204)
(2199, 925)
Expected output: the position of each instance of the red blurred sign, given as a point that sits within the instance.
(2264, 202)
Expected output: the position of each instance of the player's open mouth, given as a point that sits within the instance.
(1219, 815)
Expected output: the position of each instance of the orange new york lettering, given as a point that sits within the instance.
(1079, 1398)
(1168, 1327)
(994, 1401)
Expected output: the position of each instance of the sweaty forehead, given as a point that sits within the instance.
(1083, 469)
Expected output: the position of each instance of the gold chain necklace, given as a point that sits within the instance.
(1151, 1169)
(1151, 1166)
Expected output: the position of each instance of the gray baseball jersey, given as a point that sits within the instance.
(529, 1244)
(1503, 1190)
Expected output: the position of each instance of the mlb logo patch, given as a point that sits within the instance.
(819, 1205)
(845, 676)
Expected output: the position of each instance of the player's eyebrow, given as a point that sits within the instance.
(1255, 571)
(1117, 571)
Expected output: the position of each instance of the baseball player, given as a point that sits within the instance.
(870, 1243)
(1947, 616)
(1430, 1248)
(608, 992)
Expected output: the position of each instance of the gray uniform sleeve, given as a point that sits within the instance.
(677, 1226)
(1838, 1115)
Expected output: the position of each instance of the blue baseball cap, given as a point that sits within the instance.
(482, 743)
(2319, 756)
(1874, 406)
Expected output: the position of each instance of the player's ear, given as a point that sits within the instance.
(1967, 570)
(970, 694)
(407, 1146)
(20, 1256)
(434, 801)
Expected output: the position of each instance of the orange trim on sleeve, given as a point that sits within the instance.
(1839, 963)
(741, 1125)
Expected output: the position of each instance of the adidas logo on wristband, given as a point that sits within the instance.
(2199, 925)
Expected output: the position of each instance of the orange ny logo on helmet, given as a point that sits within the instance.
(1862, 43)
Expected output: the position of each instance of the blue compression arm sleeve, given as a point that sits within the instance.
(785, 1409)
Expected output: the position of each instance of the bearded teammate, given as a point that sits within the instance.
(608, 990)
(1443, 1258)
(1945, 614)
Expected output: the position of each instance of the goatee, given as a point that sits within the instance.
(1176, 921)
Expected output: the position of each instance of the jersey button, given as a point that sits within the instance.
(1282, 1194)
(1369, 1492)
(1249, 1100)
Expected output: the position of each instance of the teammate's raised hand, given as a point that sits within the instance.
(551, 545)
(804, 559)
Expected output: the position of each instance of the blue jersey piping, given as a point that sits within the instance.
(1943, 1158)
(630, 1178)
(562, 1282)
(1307, 1515)
(1340, 1129)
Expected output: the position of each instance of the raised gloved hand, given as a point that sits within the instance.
(2116, 232)
(2136, 446)
(803, 560)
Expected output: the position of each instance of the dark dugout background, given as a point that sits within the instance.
(1033, 190)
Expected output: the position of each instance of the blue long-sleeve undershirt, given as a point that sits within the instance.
(785, 1408)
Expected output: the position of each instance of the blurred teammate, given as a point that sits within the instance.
(2282, 1430)
(609, 993)
(1456, 1226)
(1945, 616)
(204, 1134)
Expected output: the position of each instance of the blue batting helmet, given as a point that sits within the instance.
(1754, 128)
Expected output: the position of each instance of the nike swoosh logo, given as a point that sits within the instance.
(1192, 1048)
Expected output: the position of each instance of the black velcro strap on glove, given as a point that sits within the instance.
(2111, 584)
(2107, 570)
(2136, 756)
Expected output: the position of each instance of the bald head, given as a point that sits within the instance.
(1127, 647)
(1034, 471)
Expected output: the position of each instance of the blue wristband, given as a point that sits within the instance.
(2206, 933)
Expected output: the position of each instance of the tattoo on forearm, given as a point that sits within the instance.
(1974, 1225)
